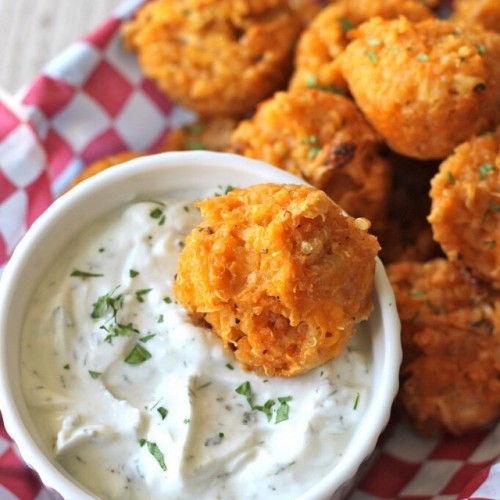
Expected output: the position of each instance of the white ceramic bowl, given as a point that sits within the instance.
(150, 177)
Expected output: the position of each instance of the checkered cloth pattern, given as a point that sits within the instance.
(93, 101)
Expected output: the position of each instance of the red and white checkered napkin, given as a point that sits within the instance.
(93, 101)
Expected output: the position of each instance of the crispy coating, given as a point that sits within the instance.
(484, 12)
(325, 39)
(450, 376)
(465, 212)
(323, 138)
(212, 134)
(427, 86)
(216, 57)
(281, 275)
(103, 164)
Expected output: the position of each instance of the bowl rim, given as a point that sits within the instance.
(175, 164)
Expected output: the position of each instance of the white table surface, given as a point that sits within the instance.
(34, 31)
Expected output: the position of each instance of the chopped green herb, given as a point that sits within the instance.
(311, 139)
(372, 56)
(140, 294)
(106, 302)
(229, 366)
(485, 169)
(346, 24)
(313, 151)
(160, 319)
(167, 300)
(451, 178)
(245, 390)
(157, 213)
(84, 274)
(187, 420)
(156, 452)
(422, 57)
(481, 49)
(94, 374)
(118, 330)
(490, 243)
(186, 208)
(312, 83)
(66, 367)
(228, 189)
(133, 273)
(163, 412)
(147, 338)
(283, 409)
(417, 293)
(266, 408)
(282, 412)
(356, 402)
(137, 355)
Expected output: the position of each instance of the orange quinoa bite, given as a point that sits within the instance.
(465, 208)
(450, 375)
(327, 36)
(427, 86)
(216, 57)
(280, 274)
(323, 138)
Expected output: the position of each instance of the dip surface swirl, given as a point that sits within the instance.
(135, 401)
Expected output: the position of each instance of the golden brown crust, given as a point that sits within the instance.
(465, 213)
(450, 376)
(427, 86)
(281, 275)
(215, 57)
(103, 164)
(323, 138)
(483, 12)
(327, 36)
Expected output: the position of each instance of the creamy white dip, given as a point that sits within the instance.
(138, 402)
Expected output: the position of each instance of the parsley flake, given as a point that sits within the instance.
(372, 56)
(283, 410)
(137, 355)
(163, 412)
(346, 24)
(356, 402)
(155, 451)
(84, 274)
(94, 374)
(485, 169)
(140, 294)
(133, 273)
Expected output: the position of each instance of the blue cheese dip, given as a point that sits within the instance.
(134, 400)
